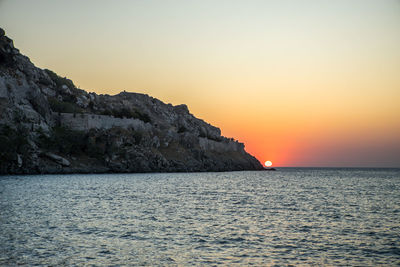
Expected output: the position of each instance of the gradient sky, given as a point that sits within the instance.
(301, 83)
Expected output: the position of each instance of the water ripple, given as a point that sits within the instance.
(289, 217)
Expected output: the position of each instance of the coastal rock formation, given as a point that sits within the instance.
(48, 125)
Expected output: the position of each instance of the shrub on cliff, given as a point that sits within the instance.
(127, 113)
(12, 142)
(107, 112)
(61, 106)
(59, 81)
(71, 142)
(64, 140)
(141, 116)
(93, 149)
(122, 113)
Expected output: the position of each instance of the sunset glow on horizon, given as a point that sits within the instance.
(300, 83)
(268, 163)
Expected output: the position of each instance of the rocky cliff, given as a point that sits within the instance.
(48, 125)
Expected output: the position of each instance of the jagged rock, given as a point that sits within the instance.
(45, 79)
(82, 101)
(65, 89)
(48, 92)
(127, 132)
(39, 102)
(183, 109)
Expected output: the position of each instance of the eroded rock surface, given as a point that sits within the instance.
(48, 125)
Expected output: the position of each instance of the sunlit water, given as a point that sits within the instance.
(291, 216)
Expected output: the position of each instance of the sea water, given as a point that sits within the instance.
(291, 216)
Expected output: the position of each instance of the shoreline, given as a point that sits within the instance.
(206, 171)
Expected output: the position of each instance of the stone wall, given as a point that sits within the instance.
(84, 122)
(207, 144)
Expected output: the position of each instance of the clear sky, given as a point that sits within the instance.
(301, 82)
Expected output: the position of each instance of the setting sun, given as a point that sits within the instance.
(173, 111)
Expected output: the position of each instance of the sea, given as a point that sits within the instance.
(292, 216)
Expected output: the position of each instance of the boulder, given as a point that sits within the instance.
(58, 159)
(65, 89)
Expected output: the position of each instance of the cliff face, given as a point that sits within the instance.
(47, 125)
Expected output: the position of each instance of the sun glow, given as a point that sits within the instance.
(268, 163)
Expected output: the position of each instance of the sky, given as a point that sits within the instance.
(299, 82)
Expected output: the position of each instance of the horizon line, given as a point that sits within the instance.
(334, 167)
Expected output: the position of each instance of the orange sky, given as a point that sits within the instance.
(301, 83)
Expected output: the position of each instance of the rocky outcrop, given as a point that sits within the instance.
(48, 125)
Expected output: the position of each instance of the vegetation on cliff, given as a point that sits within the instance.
(48, 125)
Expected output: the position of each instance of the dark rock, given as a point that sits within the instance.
(58, 159)
(39, 103)
(183, 109)
(58, 128)
(269, 169)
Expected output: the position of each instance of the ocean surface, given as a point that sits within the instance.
(288, 217)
